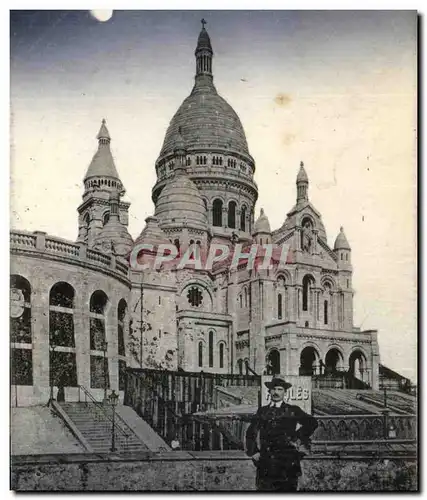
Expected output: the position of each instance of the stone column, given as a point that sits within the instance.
(82, 337)
(40, 331)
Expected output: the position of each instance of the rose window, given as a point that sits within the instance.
(195, 296)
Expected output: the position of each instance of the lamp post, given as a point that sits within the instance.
(114, 399)
(52, 351)
(104, 348)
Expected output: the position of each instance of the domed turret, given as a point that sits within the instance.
(262, 224)
(215, 154)
(341, 242)
(204, 119)
(152, 234)
(114, 236)
(102, 171)
(180, 203)
(262, 229)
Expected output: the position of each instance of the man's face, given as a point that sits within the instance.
(277, 393)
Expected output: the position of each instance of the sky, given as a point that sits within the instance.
(335, 89)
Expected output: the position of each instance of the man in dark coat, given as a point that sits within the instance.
(284, 430)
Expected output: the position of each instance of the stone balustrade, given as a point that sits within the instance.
(40, 242)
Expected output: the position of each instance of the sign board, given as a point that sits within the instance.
(299, 394)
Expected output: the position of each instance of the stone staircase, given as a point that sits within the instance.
(94, 421)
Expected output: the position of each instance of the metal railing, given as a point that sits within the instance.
(120, 425)
(219, 432)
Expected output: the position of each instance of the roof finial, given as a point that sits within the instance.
(301, 164)
(203, 23)
(104, 121)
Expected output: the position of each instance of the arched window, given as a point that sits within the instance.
(63, 367)
(358, 366)
(217, 213)
(243, 219)
(246, 297)
(333, 361)
(221, 355)
(61, 320)
(99, 373)
(279, 306)
(176, 243)
(200, 354)
(211, 344)
(309, 361)
(327, 295)
(105, 218)
(21, 361)
(306, 284)
(273, 362)
(232, 214)
(86, 222)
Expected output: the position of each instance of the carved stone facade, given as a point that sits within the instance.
(297, 319)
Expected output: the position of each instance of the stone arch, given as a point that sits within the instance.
(358, 363)
(86, 226)
(273, 361)
(328, 280)
(105, 217)
(21, 356)
(308, 282)
(62, 365)
(309, 360)
(203, 301)
(62, 294)
(232, 214)
(217, 209)
(334, 360)
(222, 350)
(98, 302)
(307, 217)
(285, 274)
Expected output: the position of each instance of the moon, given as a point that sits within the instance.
(102, 15)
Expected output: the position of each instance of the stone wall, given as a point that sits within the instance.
(200, 471)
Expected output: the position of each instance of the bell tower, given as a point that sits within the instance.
(100, 181)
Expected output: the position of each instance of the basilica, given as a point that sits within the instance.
(81, 313)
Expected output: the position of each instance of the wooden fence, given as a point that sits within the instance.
(164, 398)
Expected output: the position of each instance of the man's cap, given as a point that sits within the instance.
(278, 382)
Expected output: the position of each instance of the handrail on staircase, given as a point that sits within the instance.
(101, 406)
(248, 368)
